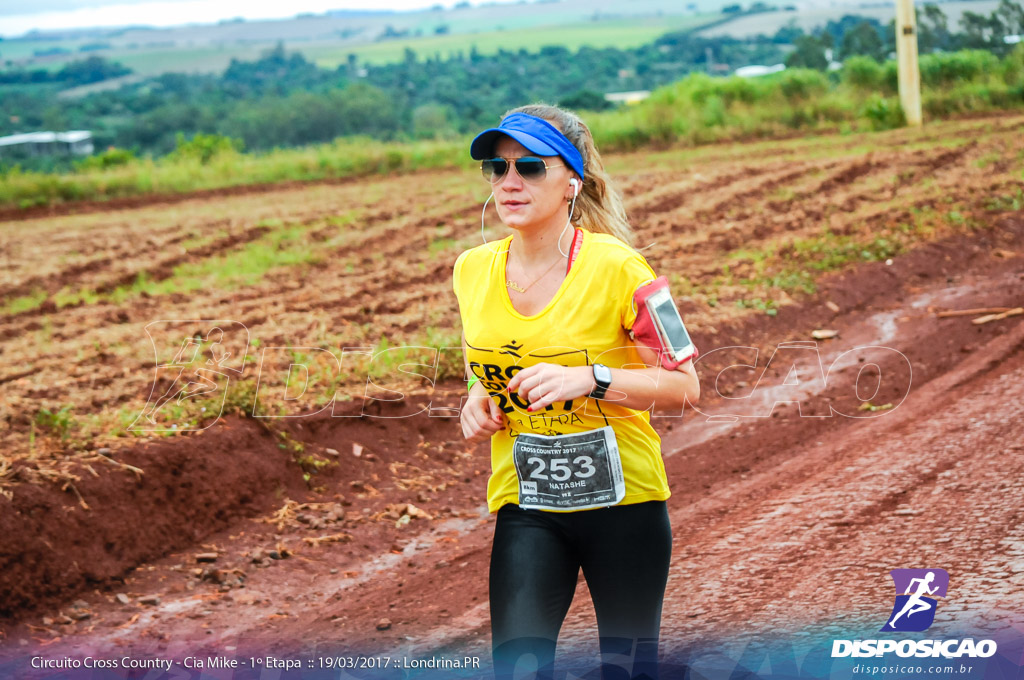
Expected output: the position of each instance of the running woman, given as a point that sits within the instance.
(562, 392)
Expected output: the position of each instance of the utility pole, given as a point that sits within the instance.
(906, 57)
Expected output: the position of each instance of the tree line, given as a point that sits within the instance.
(858, 36)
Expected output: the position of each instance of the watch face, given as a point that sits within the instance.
(602, 374)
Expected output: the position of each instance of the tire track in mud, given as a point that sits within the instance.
(164, 269)
(753, 193)
(834, 198)
(112, 243)
(669, 199)
(815, 202)
(414, 288)
(835, 144)
(361, 291)
(53, 283)
(13, 325)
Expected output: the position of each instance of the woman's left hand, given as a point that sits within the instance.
(543, 384)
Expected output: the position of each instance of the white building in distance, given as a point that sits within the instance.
(72, 142)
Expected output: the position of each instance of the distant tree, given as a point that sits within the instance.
(848, 22)
(933, 30)
(203, 148)
(555, 53)
(979, 31)
(275, 71)
(809, 52)
(987, 32)
(430, 121)
(1011, 14)
(13, 76)
(585, 100)
(390, 32)
(862, 39)
(788, 33)
(732, 9)
(91, 70)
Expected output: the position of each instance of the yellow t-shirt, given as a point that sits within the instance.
(586, 322)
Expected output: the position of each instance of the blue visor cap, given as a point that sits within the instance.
(536, 134)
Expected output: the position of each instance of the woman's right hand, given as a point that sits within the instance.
(480, 415)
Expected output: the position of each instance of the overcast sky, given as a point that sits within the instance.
(48, 14)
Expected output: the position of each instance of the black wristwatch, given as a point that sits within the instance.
(603, 378)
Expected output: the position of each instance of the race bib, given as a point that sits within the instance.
(576, 471)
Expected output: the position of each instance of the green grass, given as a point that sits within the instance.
(343, 158)
(1012, 201)
(324, 380)
(284, 247)
(766, 306)
(700, 109)
(59, 422)
(624, 34)
(438, 246)
(24, 303)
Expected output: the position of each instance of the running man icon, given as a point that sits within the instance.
(193, 359)
(915, 604)
(199, 382)
(913, 609)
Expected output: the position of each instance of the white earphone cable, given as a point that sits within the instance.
(567, 222)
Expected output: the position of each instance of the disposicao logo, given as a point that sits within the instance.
(914, 611)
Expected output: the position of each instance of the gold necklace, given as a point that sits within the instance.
(509, 283)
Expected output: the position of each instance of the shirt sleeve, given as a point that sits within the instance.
(635, 272)
(457, 272)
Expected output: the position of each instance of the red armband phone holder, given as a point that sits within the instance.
(645, 331)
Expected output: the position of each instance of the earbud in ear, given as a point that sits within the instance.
(575, 186)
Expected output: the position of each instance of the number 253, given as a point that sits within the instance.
(560, 470)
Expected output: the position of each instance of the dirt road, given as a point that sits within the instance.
(787, 519)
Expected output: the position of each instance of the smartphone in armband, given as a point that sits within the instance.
(669, 324)
(659, 326)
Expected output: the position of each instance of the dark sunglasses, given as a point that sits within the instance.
(530, 168)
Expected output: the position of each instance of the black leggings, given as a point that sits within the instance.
(624, 551)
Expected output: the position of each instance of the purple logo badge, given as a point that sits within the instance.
(916, 589)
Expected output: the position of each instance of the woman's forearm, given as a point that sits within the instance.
(642, 388)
